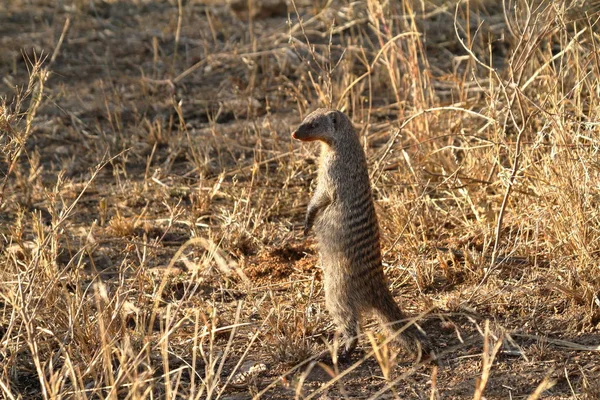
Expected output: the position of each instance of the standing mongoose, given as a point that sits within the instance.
(343, 214)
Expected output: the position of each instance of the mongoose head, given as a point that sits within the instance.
(322, 124)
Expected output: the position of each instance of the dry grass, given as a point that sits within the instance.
(151, 199)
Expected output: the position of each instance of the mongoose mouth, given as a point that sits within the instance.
(302, 138)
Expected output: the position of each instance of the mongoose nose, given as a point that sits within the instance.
(294, 135)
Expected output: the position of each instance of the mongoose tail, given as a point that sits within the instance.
(343, 214)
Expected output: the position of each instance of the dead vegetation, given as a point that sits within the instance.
(151, 199)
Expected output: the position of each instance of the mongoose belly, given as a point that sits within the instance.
(348, 236)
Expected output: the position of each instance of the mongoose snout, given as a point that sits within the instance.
(344, 219)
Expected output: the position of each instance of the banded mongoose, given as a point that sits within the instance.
(343, 214)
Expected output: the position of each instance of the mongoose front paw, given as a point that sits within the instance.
(307, 227)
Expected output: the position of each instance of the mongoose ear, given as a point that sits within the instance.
(334, 117)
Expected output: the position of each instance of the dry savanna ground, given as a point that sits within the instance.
(151, 199)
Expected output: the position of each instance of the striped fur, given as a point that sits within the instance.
(345, 222)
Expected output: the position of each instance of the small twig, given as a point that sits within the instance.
(488, 361)
(60, 40)
(509, 187)
(560, 343)
(544, 385)
(467, 48)
(177, 33)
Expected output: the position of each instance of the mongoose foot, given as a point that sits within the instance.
(345, 350)
(419, 345)
(345, 354)
(425, 354)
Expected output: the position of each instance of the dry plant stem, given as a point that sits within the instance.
(60, 41)
(544, 385)
(195, 357)
(488, 361)
(243, 356)
(516, 97)
(434, 390)
(227, 350)
(312, 360)
(561, 343)
(164, 352)
(406, 225)
(32, 342)
(35, 87)
(511, 181)
(464, 45)
(558, 55)
(177, 34)
(31, 306)
(210, 380)
(385, 358)
(570, 384)
(316, 57)
(6, 391)
(413, 370)
(304, 375)
(324, 65)
(101, 299)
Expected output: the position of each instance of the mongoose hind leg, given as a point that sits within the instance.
(346, 321)
(349, 331)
